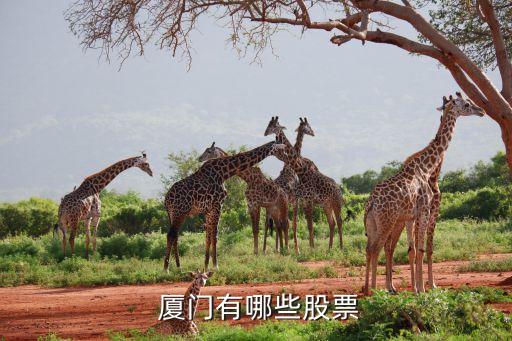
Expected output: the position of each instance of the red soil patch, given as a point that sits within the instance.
(88, 313)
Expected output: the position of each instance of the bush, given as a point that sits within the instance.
(33, 217)
(441, 312)
(483, 204)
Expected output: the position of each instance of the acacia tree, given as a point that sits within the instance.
(468, 37)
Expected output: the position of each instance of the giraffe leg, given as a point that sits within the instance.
(330, 221)
(420, 249)
(172, 242)
(339, 222)
(434, 213)
(267, 222)
(280, 231)
(211, 224)
(411, 250)
(294, 226)
(430, 246)
(207, 247)
(376, 235)
(72, 238)
(286, 227)
(254, 212)
(87, 236)
(95, 222)
(371, 228)
(63, 229)
(389, 248)
(308, 211)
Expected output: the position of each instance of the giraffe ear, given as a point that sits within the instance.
(144, 154)
(191, 274)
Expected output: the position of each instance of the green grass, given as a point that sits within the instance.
(137, 259)
(435, 315)
(499, 265)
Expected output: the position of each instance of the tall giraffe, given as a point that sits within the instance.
(261, 192)
(314, 187)
(411, 198)
(83, 203)
(204, 192)
(190, 300)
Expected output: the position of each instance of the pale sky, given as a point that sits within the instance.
(64, 114)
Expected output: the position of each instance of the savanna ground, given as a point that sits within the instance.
(117, 293)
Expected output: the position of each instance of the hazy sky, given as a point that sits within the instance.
(64, 114)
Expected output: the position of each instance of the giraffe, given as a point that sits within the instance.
(411, 199)
(190, 300)
(261, 192)
(314, 187)
(91, 217)
(204, 192)
(83, 203)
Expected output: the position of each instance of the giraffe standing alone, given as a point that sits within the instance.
(411, 198)
(204, 192)
(190, 300)
(313, 188)
(261, 192)
(83, 203)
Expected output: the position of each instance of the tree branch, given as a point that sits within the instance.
(410, 15)
(488, 14)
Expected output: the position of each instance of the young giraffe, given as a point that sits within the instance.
(83, 203)
(411, 198)
(204, 192)
(190, 300)
(313, 188)
(260, 192)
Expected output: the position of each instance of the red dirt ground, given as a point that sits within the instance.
(89, 313)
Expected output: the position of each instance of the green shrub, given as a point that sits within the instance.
(33, 217)
(488, 203)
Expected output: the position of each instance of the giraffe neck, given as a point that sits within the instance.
(194, 289)
(251, 174)
(234, 165)
(432, 156)
(298, 141)
(93, 184)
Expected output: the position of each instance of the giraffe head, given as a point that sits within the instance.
(274, 127)
(143, 164)
(199, 278)
(212, 152)
(305, 127)
(460, 106)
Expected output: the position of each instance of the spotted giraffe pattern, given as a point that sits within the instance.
(83, 203)
(264, 193)
(186, 326)
(313, 187)
(203, 193)
(411, 199)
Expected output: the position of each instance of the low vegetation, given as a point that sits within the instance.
(435, 315)
(125, 259)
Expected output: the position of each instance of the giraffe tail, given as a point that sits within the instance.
(55, 229)
(367, 209)
(350, 215)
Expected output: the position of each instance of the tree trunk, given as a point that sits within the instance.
(506, 135)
